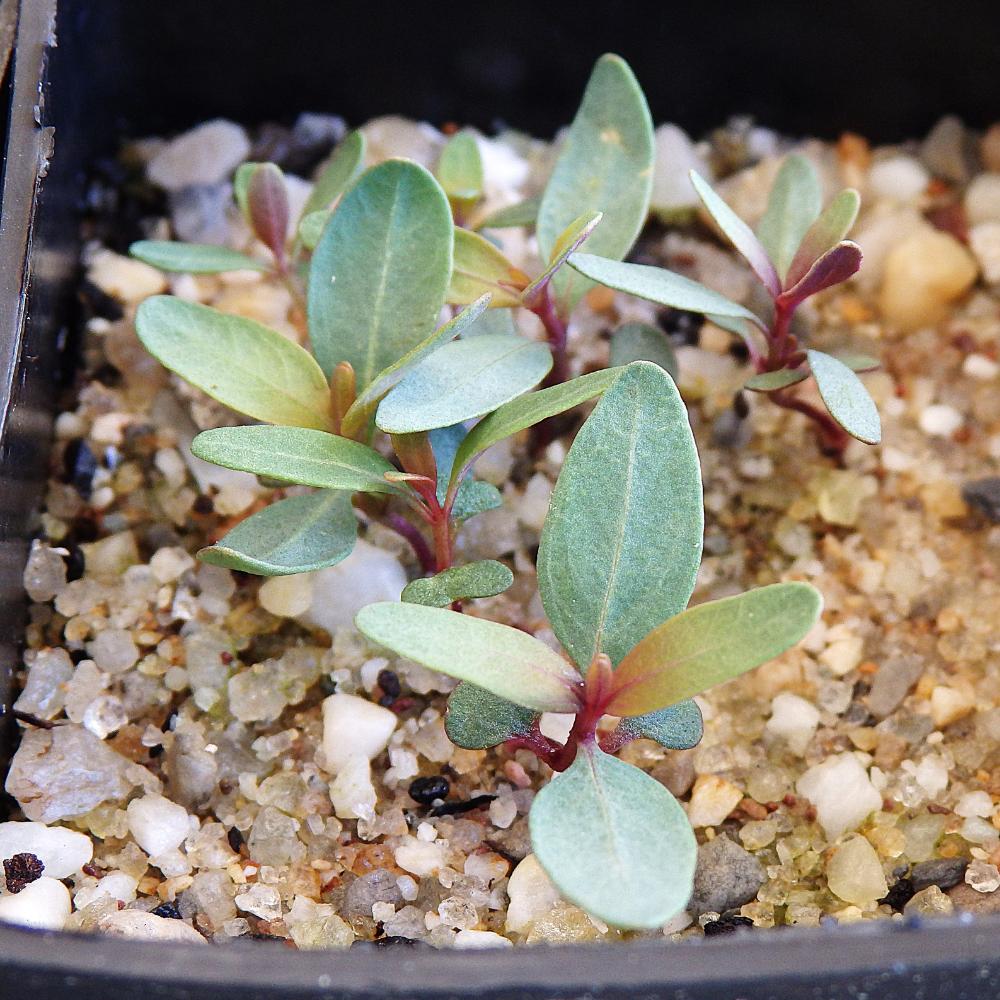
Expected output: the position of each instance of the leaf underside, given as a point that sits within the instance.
(676, 727)
(478, 719)
(485, 578)
(472, 496)
(643, 342)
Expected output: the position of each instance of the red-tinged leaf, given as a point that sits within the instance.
(267, 204)
(832, 268)
(825, 233)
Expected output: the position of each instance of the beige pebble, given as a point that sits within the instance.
(712, 800)
(948, 705)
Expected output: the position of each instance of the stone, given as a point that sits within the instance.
(893, 681)
(977, 803)
(532, 895)
(363, 893)
(899, 178)
(794, 720)
(317, 926)
(287, 596)
(675, 156)
(984, 241)
(114, 651)
(841, 791)
(65, 772)
(420, 858)
(261, 900)
(712, 800)
(43, 904)
(124, 278)
(924, 274)
(989, 148)
(157, 824)
(983, 877)
(206, 154)
(949, 150)
(44, 693)
(354, 727)
(62, 852)
(984, 495)
(44, 573)
(470, 939)
(940, 420)
(274, 838)
(726, 876)
(148, 927)
(944, 873)
(563, 924)
(929, 902)
(352, 793)
(966, 899)
(949, 704)
(855, 874)
(982, 199)
(200, 213)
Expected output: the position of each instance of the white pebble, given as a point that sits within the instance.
(940, 420)
(556, 725)
(123, 278)
(982, 199)
(712, 800)
(841, 791)
(63, 852)
(354, 726)
(420, 858)
(481, 939)
(148, 927)
(532, 895)
(794, 720)
(44, 904)
(983, 877)
(171, 562)
(205, 154)
(114, 651)
(900, 178)
(287, 596)
(675, 156)
(352, 792)
(984, 241)
(974, 804)
(157, 824)
(115, 885)
(979, 366)
(843, 653)
(533, 505)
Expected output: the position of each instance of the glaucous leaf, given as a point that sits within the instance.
(846, 397)
(642, 342)
(472, 497)
(342, 167)
(311, 227)
(710, 644)
(606, 165)
(492, 321)
(484, 578)
(477, 718)
(570, 240)
(193, 258)
(859, 362)
(478, 268)
(380, 270)
(614, 841)
(504, 660)
(658, 285)
(460, 168)
(738, 233)
(773, 381)
(475, 497)
(825, 233)
(622, 543)
(528, 410)
(832, 268)
(297, 455)
(792, 207)
(524, 213)
(676, 727)
(267, 207)
(461, 380)
(387, 379)
(297, 535)
(241, 363)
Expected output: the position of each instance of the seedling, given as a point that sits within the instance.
(616, 567)
(798, 250)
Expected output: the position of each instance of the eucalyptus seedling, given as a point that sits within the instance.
(798, 250)
(619, 553)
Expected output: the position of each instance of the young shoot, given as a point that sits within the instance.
(798, 250)
(619, 554)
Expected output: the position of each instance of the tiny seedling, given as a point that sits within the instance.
(798, 250)
(616, 568)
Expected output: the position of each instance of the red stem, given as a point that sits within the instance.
(402, 527)
(555, 331)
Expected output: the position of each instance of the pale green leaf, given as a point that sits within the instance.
(792, 207)
(342, 167)
(858, 362)
(524, 213)
(478, 268)
(824, 234)
(485, 578)
(676, 727)
(461, 380)
(606, 165)
(622, 543)
(380, 270)
(475, 497)
(311, 227)
(472, 497)
(460, 168)
(193, 258)
(241, 183)
(712, 643)
(241, 363)
(297, 455)
(477, 718)
(528, 410)
(614, 841)
(773, 381)
(846, 397)
(504, 660)
(658, 285)
(642, 342)
(297, 535)
(493, 321)
(570, 240)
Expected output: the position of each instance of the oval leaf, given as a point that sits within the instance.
(859, 362)
(297, 535)
(193, 258)
(825, 233)
(676, 727)
(773, 381)
(504, 660)
(477, 719)
(342, 167)
(658, 285)
(460, 168)
(712, 643)
(832, 268)
(243, 364)
(846, 397)
(267, 206)
(463, 379)
(622, 543)
(524, 213)
(738, 233)
(480, 267)
(614, 841)
(380, 270)
(297, 455)
(642, 342)
(606, 165)
(792, 207)
(485, 578)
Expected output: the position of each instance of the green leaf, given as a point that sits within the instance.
(493, 321)
(658, 285)
(773, 381)
(571, 239)
(606, 165)
(342, 167)
(243, 364)
(472, 497)
(504, 660)
(460, 168)
(676, 727)
(846, 397)
(712, 643)
(461, 380)
(241, 182)
(485, 578)
(614, 841)
(193, 258)
(792, 207)
(364, 406)
(524, 213)
(622, 543)
(825, 233)
(642, 342)
(311, 227)
(475, 497)
(738, 233)
(478, 719)
(297, 535)
(297, 455)
(480, 267)
(380, 270)
(528, 410)
(859, 362)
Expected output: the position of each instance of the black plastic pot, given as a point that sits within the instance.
(123, 67)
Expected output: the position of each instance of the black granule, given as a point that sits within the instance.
(235, 839)
(389, 683)
(390, 941)
(79, 466)
(899, 894)
(426, 790)
(203, 504)
(21, 870)
(456, 808)
(681, 326)
(726, 925)
(168, 910)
